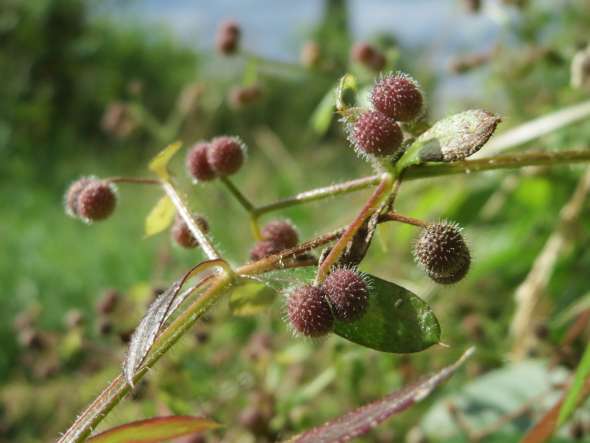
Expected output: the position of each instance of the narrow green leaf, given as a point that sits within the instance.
(573, 396)
(251, 298)
(450, 139)
(324, 113)
(396, 321)
(159, 163)
(155, 429)
(160, 217)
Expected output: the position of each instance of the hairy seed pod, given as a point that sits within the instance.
(347, 293)
(108, 302)
(72, 194)
(310, 54)
(226, 155)
(375, 133)
(398, 96)
(96, 201)
(241, 96)
(309, 312)
(443, 253)
(280, 232)
(228, 37)
(368, 56)
(197, 165)
(183, 236)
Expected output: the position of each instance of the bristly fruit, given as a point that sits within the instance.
(309, 312)
(398, 96)
(197, 165)
(443, 253)
(280, 232)
(375, 133)
(368, 56)
(182, 234)
(72, 194)
(347, 293)
(96, 201)
(226, 155)
(228, 37)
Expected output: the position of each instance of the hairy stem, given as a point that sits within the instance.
(241, 198)
(320, 193)
(499, 162)
(119, 387)
(135, 180)
(368, 209)
(184, 212)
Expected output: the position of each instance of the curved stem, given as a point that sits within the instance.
(241, 198)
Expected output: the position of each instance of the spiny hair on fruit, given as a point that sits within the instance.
(308, 311)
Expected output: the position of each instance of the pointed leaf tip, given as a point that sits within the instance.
(159, 163)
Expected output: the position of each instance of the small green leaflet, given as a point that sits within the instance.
(396, 321)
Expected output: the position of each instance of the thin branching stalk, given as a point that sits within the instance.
(186, 215)
(320, 193)
(135, 180)
(500, 162)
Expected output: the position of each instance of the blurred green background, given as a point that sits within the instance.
(91, 88)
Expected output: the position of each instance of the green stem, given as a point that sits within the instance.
(241, 198)
(499, 162)
(135, 180)
(320, 193)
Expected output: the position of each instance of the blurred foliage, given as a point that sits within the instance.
(63, 68)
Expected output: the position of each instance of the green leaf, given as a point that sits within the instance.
(160, 217)
(322, 115)
(250, 75)
(573, 396)
(396, 321)
(155, 430)
(159, 163)
(251, 299)
(347, 82)
(451, 139)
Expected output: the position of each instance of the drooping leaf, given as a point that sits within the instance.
(451, 139)
(160, 217)
(396, 321)
(251, 298)
(362, 420)
(159, 163)
(155, 430)
(575, 391)
(158, 312)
